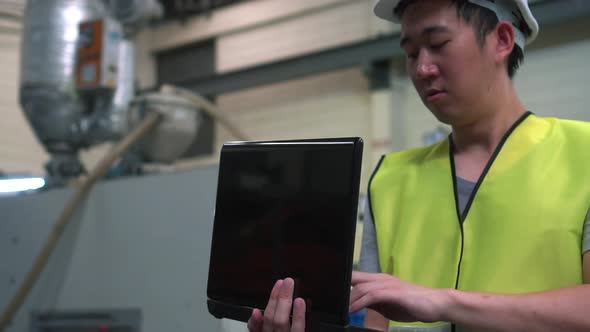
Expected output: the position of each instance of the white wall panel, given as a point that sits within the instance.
(328, 105)
(299, 35)
(256, 32)
(145, 66)
(233, 18)
(555, 78)
(555, 81)
(411, 119)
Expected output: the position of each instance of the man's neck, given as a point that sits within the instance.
(483, 134)
(475, 141)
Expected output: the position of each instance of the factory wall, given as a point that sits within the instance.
(259, 32)
(328, 105)
(555, 78)
(551, 82)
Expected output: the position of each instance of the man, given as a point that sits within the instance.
(483, 230)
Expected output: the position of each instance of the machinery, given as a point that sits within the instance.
(78, 82)
(77, 90)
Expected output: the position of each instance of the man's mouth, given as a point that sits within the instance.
(434, 94)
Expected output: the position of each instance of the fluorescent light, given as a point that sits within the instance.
(16, 185)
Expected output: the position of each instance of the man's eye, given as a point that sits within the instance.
(412, 55)
(438, 46)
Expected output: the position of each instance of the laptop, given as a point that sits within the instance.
(285, 209)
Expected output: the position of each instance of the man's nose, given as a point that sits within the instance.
(425, 66)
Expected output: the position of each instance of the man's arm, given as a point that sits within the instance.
(369, 262)
(564, 309)
(376, 321)
(587, 268)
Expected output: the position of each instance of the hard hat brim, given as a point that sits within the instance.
(384, 9)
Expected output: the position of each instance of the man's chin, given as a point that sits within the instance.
(443, 116)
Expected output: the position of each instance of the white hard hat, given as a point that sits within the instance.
(506, 10)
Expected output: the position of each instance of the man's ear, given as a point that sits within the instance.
(504, 37)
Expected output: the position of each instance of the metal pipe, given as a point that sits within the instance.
(109, 118)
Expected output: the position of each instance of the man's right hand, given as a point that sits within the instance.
(276, 316)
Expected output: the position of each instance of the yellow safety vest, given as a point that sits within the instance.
(521, 231)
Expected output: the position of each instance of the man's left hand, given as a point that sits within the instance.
(396, 299)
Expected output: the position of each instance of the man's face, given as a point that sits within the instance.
(448, 67)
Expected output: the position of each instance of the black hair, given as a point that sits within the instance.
(483, 22)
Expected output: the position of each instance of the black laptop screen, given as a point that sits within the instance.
(286, 209)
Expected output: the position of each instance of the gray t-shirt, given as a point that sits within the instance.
(369, 261)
